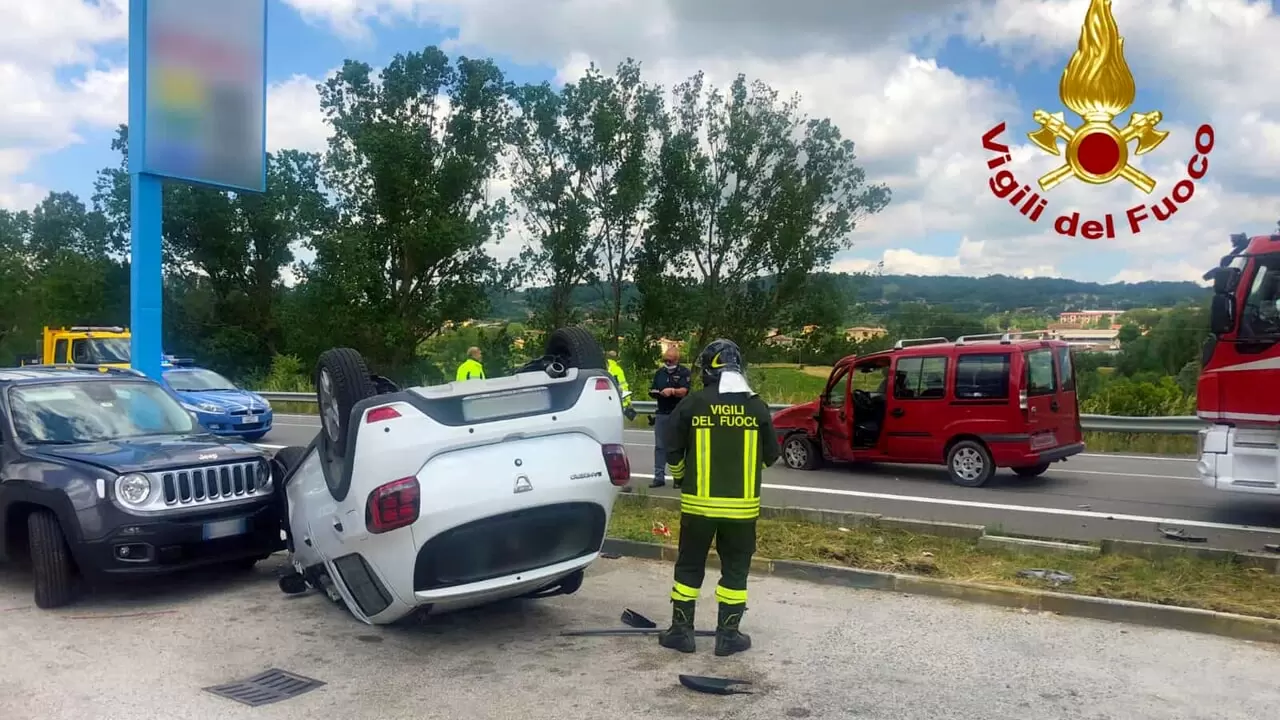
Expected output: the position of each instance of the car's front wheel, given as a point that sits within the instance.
(800, 453)
(51, 563)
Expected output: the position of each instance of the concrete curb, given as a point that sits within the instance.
(1240, 627)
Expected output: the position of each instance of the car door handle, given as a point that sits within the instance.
(1053, 405)
(337, 525)
(898, 412)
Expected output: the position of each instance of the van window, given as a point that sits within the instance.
(1066, 373)
(60, 351)
(982, 377)
(835, 394)
(920, 378)
(1039, 373)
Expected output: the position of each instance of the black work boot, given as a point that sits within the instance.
(680, 635)
(729, 639)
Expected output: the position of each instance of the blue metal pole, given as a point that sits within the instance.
(145, 212)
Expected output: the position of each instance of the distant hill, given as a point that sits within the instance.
(877, 296)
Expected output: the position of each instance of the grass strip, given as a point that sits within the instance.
(1185, 582)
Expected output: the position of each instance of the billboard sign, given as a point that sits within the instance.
(204, 116)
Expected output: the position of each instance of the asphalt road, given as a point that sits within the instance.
(146, 652)
(1089, 497)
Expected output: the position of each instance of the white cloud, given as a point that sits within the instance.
(294, 118)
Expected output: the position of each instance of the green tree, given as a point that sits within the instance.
(919, 320)
(410, 161)
(769, 193)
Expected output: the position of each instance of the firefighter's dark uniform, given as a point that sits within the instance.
(717, 443)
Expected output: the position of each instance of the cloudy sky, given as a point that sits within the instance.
(915, 83)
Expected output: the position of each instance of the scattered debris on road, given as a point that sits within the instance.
(714, 685)
(1181, 535)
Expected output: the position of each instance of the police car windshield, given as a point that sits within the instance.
(94, 351)
(197, 380)
(65, 413)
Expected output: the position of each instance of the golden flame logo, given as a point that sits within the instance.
(1097, 85)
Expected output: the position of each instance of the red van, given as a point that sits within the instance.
(976, 404)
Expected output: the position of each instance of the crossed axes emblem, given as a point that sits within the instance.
(1142, 127)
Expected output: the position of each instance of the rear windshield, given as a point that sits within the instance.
(87, 411)
(982, 377)
(1066, 372)
(1039, 376)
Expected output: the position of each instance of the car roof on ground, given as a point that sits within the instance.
(35, 373)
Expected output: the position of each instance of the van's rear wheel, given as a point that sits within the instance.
(970, 464)
(801, 453)
(1032, 471)
(576, 347)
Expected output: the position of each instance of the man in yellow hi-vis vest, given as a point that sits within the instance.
(471, 369)
(718, 441)
(624, 389)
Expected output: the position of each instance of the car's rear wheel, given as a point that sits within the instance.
(1031, 471)
(342, 380)
(970, 463)
(800, 453)
(51, 563)
(576, 347)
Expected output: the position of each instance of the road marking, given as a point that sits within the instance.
(1124, 474)
(1013, 508)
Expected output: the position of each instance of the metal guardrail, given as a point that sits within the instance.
(1178, 425)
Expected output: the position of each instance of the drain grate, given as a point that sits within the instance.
(265, 688)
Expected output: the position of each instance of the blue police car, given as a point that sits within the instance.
(220, 406)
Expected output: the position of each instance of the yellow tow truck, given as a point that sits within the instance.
(85, 345)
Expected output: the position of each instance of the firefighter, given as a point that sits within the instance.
(623, 388)
(718, 441)
(471, 369)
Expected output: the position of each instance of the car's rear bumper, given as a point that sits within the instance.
(1061, 452)
(143, 545)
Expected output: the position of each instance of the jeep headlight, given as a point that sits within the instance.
(264, 474)
(133, 489)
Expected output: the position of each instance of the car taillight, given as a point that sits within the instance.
(615, 458)
(378, 414)
(603, 384)
(393, 505)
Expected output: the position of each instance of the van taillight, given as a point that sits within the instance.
(393, 505)
(615, 458)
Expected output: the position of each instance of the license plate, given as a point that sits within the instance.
(1043, 440)
(249, 419)
(224, 528)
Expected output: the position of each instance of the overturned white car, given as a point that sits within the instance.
(442, 497)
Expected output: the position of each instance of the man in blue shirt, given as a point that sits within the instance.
(670, 384)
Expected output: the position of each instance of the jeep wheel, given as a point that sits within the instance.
(970, 464)
(577, 348)
(1032, 471)
(800, 453)
(342, 380)
(51, 564)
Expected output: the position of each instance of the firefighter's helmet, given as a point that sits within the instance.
(718, 356)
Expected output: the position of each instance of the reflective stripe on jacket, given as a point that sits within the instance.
(716, 447)
(470, 370)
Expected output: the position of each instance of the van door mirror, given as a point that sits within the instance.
(1222, 314)
(1225, 280)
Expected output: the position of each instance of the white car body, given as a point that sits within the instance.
(508, 506)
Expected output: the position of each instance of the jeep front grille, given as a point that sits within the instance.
(212, 484)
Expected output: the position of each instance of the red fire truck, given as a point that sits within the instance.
(1239, 387)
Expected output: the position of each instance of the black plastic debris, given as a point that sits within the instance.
(1181, 535)
(714, 685)
(610, 555)
(1054, 577)
(265, 688)
(631, 618)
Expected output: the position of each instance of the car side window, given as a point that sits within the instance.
(982, 377)
(1261, 317)
(1038, 373)
(922, 378)
(1066, 373)
(834, 396)
(60, 351)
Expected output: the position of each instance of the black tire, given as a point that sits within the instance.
(342, 380)
(286, 459)
(53, 569)
(801, 453)
(1032, 471)
(969, 464)
(577, 348)
(571, 583)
